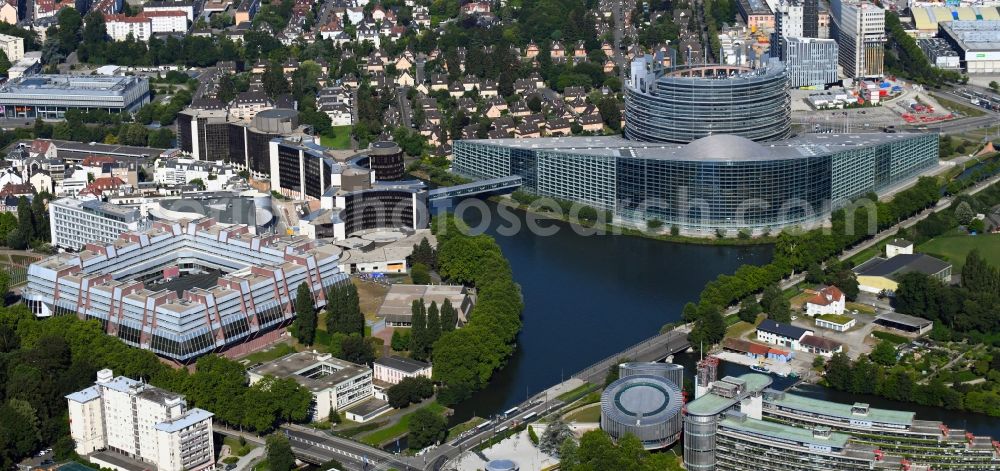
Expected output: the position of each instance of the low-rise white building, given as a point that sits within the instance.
(781, 334)
(120, 419)
(393, 369)
(335, 384)
(121, 26)
(839, 323)
(178, 171)
(74, 223)
(828, 300)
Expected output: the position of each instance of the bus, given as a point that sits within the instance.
(529, 416)
(484, 426)
(510, 412)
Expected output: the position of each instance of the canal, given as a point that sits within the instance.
(587, 297)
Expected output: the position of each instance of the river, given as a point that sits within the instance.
(588, 297)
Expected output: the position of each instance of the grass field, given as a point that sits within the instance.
(338, 138)
(589, 413)
(955, 107)
(378, 437)
(272, 353)
(575, 393)
(861, 308)
(739, 329)
(954, 248)
(370, 296)
(463, 427)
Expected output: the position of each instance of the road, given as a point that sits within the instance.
(319, 446)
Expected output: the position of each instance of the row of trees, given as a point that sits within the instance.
(428, 324)
(904, 57)
(42, 361)
(465, 359)
(796, 252)
(965, 309)
(410, 391)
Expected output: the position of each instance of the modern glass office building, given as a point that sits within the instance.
(50, 96)
(810, 62)
(717, 182)
(688, 103)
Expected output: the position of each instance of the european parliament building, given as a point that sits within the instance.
(706, 148)
(717, 182)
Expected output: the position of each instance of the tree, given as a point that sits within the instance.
(884, 354)
(41, 217)
(710, 328)
(749, 308)
(535, 103)
(449, 316)
(400, 340)
(419, 344)
(426, 428)
(554, 436)
(994, 85)
(420, 274)
(410, 391)
(343, 310)
(356, 349)
(964, 213)
(838, 371)
(610, 112)
(4, 63)
(433, 324)
(775, 305)
(423, 253)
(305, 310)
(279, 453)
(25, 232)
(197, 183)
(274, 81)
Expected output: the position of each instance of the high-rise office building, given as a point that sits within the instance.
(788, 22)
(74, 223)
(810, 18)
(859, 28)
(810, 62)
(121, 423)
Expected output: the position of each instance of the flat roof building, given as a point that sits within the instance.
(122, 285)
(810, 62)
(49, 96)
(75, 223)
(706, 185)
(904, 322)
(977, 42)
(396, 308)
(393, 369)
(125, 425)
(881, 275)
(336, 384)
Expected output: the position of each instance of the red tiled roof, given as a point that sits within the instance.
(96, 160)
(826, 296)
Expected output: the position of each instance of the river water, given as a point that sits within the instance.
(588, 297)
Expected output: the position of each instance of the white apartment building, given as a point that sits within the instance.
(120, 27)
(178, 171)
(184, 7)
(859, 28)
(788, 23)
(12, 46)
(393, 369)
(167, 21)
(119, 420)
(335, 384)
(75, 223)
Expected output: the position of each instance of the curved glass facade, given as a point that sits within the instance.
(690, 103)
(719, 182)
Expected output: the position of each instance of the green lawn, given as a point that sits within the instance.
(398, 429)
(954, 248)
(889, 337)
(272, 353)
(590, 413)
(836, 318)
(234, 445)
(338, 138)
(576, 393)
(966, 109)
(861, 308)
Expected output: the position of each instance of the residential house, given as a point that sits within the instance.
(827, 300)
(785, 335)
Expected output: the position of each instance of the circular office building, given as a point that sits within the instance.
(688, 103)
(386, 160)
(646, 406)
